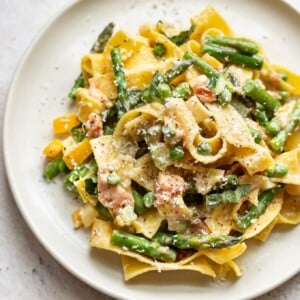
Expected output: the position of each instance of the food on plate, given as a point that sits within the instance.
(184, 145)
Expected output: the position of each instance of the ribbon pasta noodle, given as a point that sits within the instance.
(184, 145)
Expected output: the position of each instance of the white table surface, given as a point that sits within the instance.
(27, 271)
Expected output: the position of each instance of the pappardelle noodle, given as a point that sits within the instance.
(184, 145)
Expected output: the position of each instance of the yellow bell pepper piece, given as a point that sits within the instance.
(77, 153)
(65, 123)
(53, 149)
(77, 222)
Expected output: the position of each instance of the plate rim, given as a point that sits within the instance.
(9, 170)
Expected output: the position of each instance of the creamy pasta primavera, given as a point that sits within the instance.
(184, 145)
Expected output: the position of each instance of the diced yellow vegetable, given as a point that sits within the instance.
(77, 223)
(75, 154)
(53, 149)
(65, 123)
(212, 61)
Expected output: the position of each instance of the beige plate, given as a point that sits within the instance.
(41, 84)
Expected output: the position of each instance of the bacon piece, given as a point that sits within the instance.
(199, 86)
(94, 125)
(168, 187)
(114, 197)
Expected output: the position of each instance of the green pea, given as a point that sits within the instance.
(168, 131)
(280, 169)
(164, 90)
(159, 50)
(182, 90)
(256, 134)
(176, 153)
(149, 199)
(204, 148)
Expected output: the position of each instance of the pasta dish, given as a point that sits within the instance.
(184, 145)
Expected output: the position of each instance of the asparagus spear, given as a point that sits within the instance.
(54, 167)
(255, 211)
(277, 143)
(245, 46)
(142, 245)
(227, 196)
(120, 81)
(152, 93)
(218, 81)
(98, 47)
(256, 92)
(103, 211)
(79, 82)
(273, 127)
(78, 172)
(177, 69)
(198, 241)
(103, 38)
(202, 65)
(261, 115)
(231, 55)
(139, 205)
